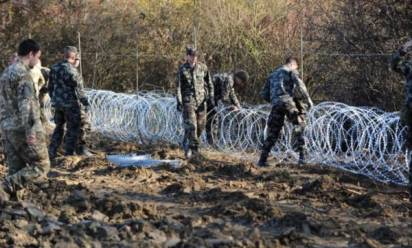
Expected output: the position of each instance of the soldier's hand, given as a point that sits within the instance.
(87, 108)
(84, 102)
(31, 139)
(211, 103)
(295, 117)
(234, 108)
(179, 107)
(43, 90)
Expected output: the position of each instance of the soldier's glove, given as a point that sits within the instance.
(297, 117)
(179, 107)
(211, 104)
(301, 118)
(43, 90)
(234, 108)
(84, 102)
(87, 108)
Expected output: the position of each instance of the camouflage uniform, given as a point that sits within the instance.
(289, 98)
(85, 128)
(70, 106)
(403, 65)
(20, 117)
(194, 88)
(40, 78)
(224, 92)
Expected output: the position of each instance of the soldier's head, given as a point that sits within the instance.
(241, 77)
(292, 63)
(191, 56)
(29, 52)
(71, 55)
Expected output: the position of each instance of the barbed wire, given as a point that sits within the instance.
(361, 140)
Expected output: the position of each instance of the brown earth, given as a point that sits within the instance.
(222, 201)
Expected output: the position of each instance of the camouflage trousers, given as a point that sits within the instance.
(77, 126)
(406, 119)
(275, 124)
(43, 118)
(211, 124)
(194, 122)
(410, 176)
(26, 163)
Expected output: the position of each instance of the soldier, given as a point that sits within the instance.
(289, 98)
(40, 77)
(70, 105)
(194, 88)
(24, 137)
(401, 62)
(224, 93)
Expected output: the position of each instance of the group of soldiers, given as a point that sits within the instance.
(198, 95)
(24, 87)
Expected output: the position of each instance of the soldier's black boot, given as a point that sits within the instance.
(52, 153)
(263, 160)
(198, 156)
(410, 194)
(188, 151)
(302, 158)
(410, 180)
(5, 191)
(209, 138)
(83, 151)
(69, 152)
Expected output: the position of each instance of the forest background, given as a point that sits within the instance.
(127, 45)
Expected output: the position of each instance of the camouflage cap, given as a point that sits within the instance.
(191, 51)
(242, 75)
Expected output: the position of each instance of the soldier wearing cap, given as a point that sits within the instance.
(194, 89)
(70, 105)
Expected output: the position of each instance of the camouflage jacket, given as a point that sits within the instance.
(403, 66)
(66, 86)
(285, 85)
(38, 78)
(19, 105)
(224, 89)
(194, 84)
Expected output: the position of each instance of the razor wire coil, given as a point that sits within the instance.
(361, 140)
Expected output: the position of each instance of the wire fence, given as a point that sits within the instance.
(364, 141)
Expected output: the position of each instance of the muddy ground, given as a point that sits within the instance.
(223, 201)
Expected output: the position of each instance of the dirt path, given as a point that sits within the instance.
(223, 201)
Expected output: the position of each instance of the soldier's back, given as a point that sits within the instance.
(61, 79)
(16, 85)
(223, 83)
(281, 84)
